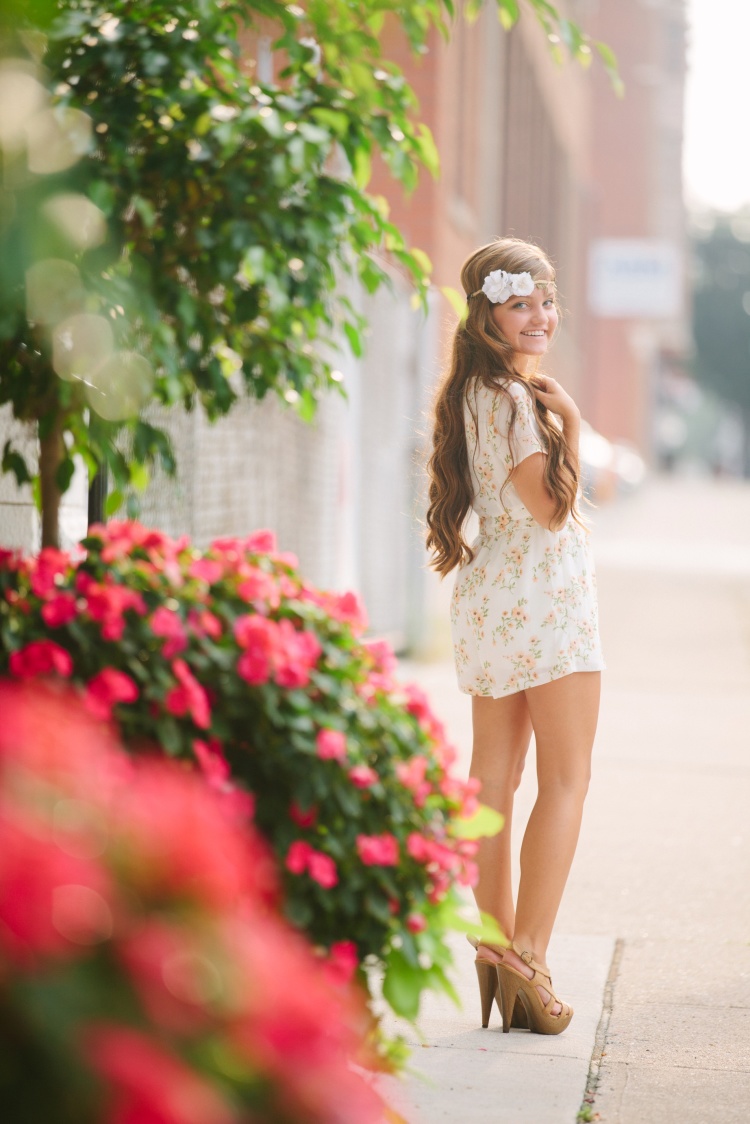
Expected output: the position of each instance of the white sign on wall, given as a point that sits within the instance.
(635, 278)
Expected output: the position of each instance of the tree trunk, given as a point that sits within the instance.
(51, 455)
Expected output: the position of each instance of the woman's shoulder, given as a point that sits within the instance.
(501, 393)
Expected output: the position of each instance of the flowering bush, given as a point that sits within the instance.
(145, 977)
(231, 659)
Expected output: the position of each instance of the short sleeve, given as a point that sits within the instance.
(524, 436)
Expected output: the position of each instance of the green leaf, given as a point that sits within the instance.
(103, 195)
(362, 168)
(333, 119)
(472, 9)
(139, 476)
(354, 338)
(113, 503)
(145, 210)
(485, 821)
(489, 930)
(456, 300)
(402, 985)
(422, 260)
(428, 151)
(508, 13)
(64, 474)
(609, 59)
(14, 462)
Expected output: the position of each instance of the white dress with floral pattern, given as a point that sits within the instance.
(524, 610)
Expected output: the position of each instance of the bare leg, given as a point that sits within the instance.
(564, 715)
(502, 731)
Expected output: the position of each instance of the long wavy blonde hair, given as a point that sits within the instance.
(480, 353)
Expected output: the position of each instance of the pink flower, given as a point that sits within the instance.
(254, 668)
(297, 857)
(107, 603)
(204, 623)
(206, 569)
(45, 568)
(168, 623)
(330, 745)
(302, 818)
(378, 850)
(322, 869)
(60, 610)
(160, 959)
(40, 657)
(83, 581)
(412, 776)
(257, 585)
(382, 654)
(435, 855)
(342, 963)
(213, 763)
(416, 923)
(298, 653)
(258, 636)
(362, 776)
(239, 804)
(419, 847)
(260, 542)
(350, 608)
(301, 858)
(10, 559)
(462, 792)
(120, 537)
(275, 649)
(153, 1086)
(53, 902)
(107, 688)
(189, 697)
(286, 558)
(418, 704)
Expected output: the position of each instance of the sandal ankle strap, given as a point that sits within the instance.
(528, 958)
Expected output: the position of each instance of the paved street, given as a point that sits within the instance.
(659, 896)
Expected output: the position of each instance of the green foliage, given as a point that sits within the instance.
(229, 207)
(231, 657)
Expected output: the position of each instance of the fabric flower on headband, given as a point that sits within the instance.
(499, 286)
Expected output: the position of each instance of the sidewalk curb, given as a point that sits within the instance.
(592, 1081)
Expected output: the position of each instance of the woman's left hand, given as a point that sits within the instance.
(549, 392)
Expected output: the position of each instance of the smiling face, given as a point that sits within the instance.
(528, 323)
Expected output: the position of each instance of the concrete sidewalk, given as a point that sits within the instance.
(663, 864)
(464, 1073)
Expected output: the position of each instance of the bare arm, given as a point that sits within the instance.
(528, 476)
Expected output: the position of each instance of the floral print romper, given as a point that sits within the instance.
(524, 611)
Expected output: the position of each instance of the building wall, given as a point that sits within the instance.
(513, 135)
(551, 154)
(636, 193)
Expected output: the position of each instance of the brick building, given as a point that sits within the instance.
(551, 154)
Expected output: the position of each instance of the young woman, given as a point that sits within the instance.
(524, 612)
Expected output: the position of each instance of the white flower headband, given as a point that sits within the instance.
(499, 286)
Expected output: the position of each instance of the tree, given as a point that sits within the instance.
(179, 226)
(721, 312)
